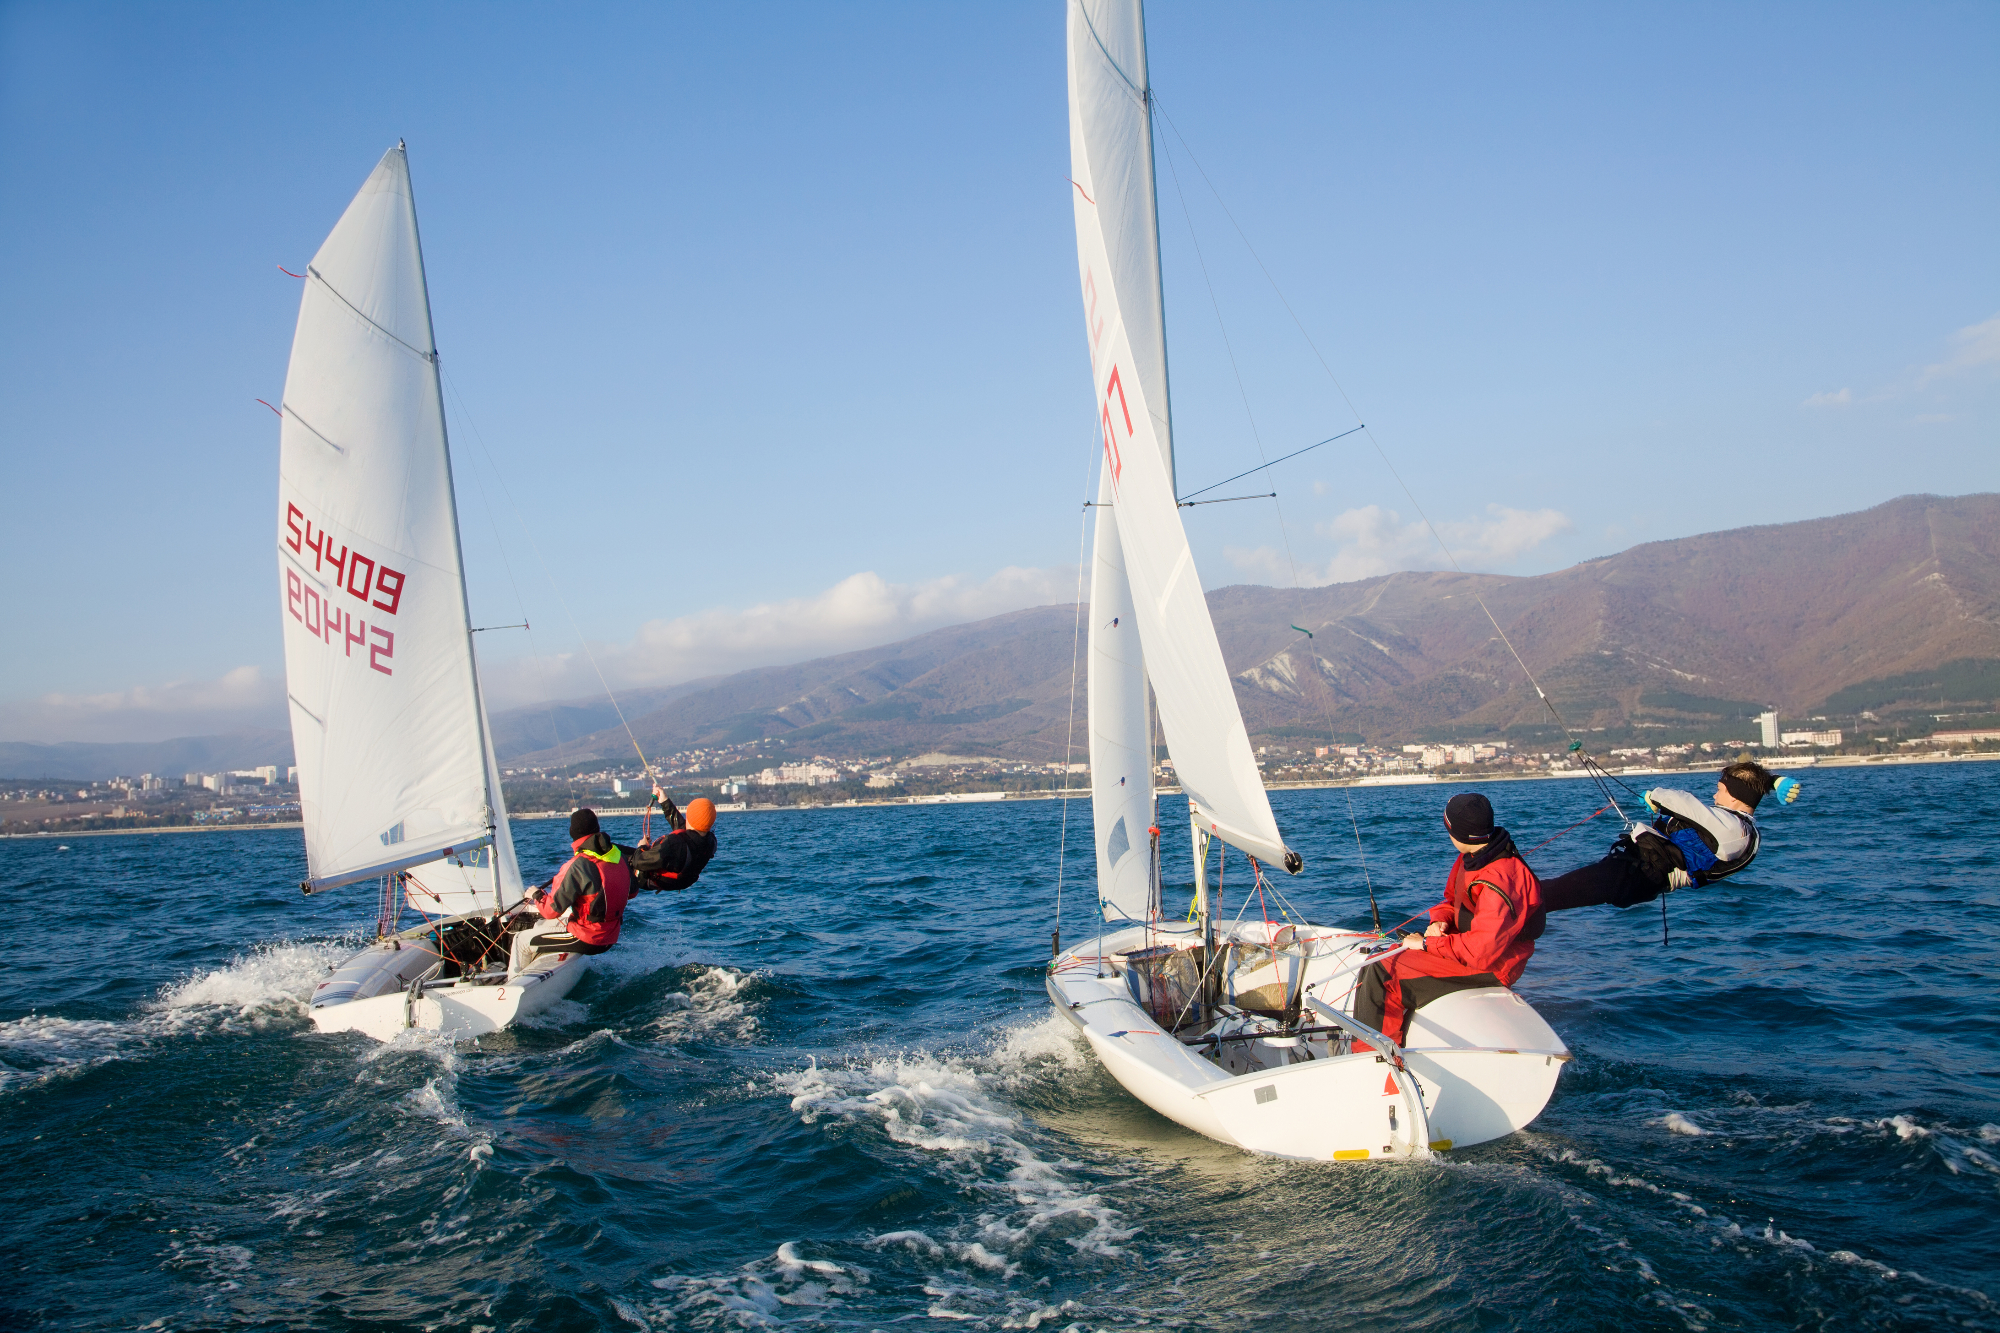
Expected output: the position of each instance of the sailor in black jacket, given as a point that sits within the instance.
(676, 859)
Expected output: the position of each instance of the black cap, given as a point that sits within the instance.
(584, 823)
(1468, 817)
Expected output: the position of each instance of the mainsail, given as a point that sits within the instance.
(1117, 241)
(395, 769)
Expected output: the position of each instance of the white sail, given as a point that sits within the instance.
(1111, 155)
(1118, 257)
(1121, 771)
(394, 766)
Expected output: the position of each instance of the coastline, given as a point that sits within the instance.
(147, 832)
(1083, 793)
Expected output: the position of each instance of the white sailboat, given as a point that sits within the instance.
(1241, 1030)
(397, 779)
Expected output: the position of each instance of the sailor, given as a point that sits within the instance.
(675, 860)
(589, 892)
(1482, 934)
(1689, 843)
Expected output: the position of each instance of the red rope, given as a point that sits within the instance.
(1571, 829)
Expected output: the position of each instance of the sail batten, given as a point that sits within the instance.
(1124, 315)
(387, 723)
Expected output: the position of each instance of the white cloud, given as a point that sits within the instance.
(1974, 347)
(241, 698)
(861, 611)
(1373, 540)
(1841, 398)
(1262, 562)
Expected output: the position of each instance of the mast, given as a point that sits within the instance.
(495, 808)
(1144, 576)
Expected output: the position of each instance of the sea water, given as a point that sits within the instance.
(824, 1089)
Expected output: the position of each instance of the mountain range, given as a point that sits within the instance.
(1895, 605)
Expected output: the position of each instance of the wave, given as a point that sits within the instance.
(1898, 1289)
(953, 1111)
(714, 1007)
(760, 1293)
(260, 990)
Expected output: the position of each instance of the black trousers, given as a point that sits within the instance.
(1620, 879)
(1371, 996)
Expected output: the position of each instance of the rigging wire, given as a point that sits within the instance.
(1075, 651)
(492, 520)
(556, 587)
(1373, 910)
(1282, 458)
(1242, 390)
(1069, 739)
(1597, 773)
(1284, 532)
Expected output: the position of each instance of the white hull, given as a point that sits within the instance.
(383, 990)
(1478, 1064)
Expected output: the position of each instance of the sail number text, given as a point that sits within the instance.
(1113, 459)
(333, 625)
(370, 582)
(351, 569)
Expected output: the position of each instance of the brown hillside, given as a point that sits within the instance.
(1690, 634)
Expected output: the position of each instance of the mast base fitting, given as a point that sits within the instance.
(1294, 863)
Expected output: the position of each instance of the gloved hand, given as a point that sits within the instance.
(1646, 799)
(1786, 790)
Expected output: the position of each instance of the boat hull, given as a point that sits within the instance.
(380, 992)
(1478, 1065)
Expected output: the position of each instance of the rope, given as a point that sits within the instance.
(1566, 832)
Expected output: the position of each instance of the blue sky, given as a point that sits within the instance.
(765, 316)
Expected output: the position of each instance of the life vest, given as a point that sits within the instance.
(697, 848)
(600, 912)
(1697, 848)
(1509, 879)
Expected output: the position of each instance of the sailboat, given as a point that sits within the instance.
(1242, 1030)
(397, 778)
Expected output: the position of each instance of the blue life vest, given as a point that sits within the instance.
(1696, 854)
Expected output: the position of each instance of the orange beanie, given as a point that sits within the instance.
(700, 814)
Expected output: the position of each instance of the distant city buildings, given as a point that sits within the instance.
(1767, 729)
(815, 774)
(1822, 739)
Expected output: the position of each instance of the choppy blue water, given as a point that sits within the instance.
(824, 1089)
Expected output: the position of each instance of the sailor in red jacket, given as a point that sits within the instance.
(592, 889)
(1481, 934)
